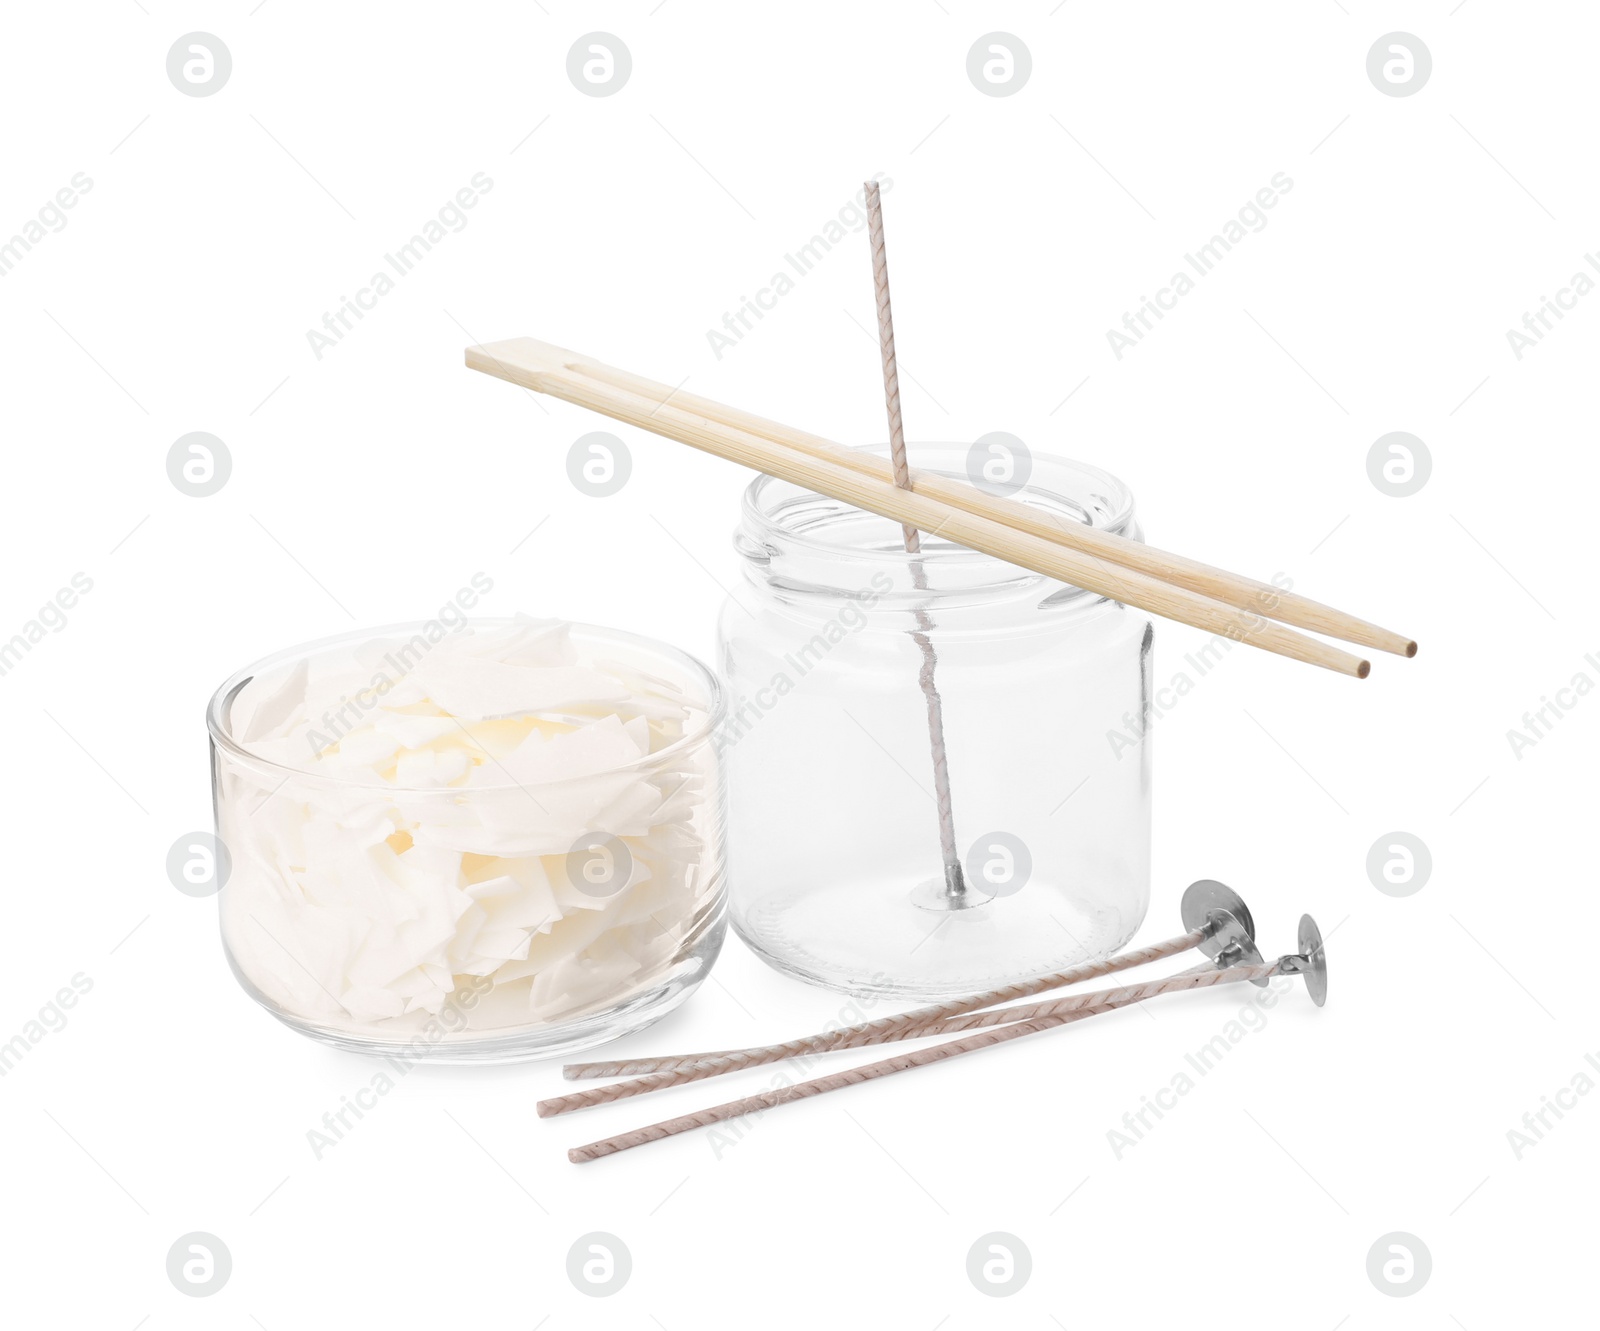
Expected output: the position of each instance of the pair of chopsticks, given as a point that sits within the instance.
(1164, 584)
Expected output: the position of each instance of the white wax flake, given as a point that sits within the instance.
(599, 747)
(532, 643)
(362, 749)
(477, 688)
(415, 732)
(266, 704)
(430, 768)
(401, 830)
(527, 904)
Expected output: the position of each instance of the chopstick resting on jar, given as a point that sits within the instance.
(1124, 570)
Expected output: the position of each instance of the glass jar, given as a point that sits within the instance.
(840, 876)
(488, 879)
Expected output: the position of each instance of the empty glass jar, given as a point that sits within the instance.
(835, 836)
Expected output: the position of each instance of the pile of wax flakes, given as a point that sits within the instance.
(490, 814)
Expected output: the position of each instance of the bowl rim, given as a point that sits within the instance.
(715, 705)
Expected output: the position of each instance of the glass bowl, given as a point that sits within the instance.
(409, 881)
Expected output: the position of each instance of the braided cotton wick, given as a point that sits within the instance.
(955, 887)
(907, 1026)
(1076, 1006)
(902, 1062)
(891, 372)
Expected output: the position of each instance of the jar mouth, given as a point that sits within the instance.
(710, 697)
(780, 518)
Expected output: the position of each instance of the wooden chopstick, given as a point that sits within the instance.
(544, 368)
(1230, 588)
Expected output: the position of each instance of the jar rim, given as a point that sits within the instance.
(715, 703)
(762, 517)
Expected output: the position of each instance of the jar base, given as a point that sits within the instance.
(518, 1044)
(879, 943)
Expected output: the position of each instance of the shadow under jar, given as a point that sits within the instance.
(496, 841)
(833, 825)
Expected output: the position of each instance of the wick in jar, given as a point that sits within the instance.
(950, 893)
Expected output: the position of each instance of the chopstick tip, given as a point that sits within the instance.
(1411, 649)
(1363, 669)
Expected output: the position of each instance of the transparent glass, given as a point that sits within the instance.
(834, 830)
(330, 878)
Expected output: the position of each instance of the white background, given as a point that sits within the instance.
(370, 484)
